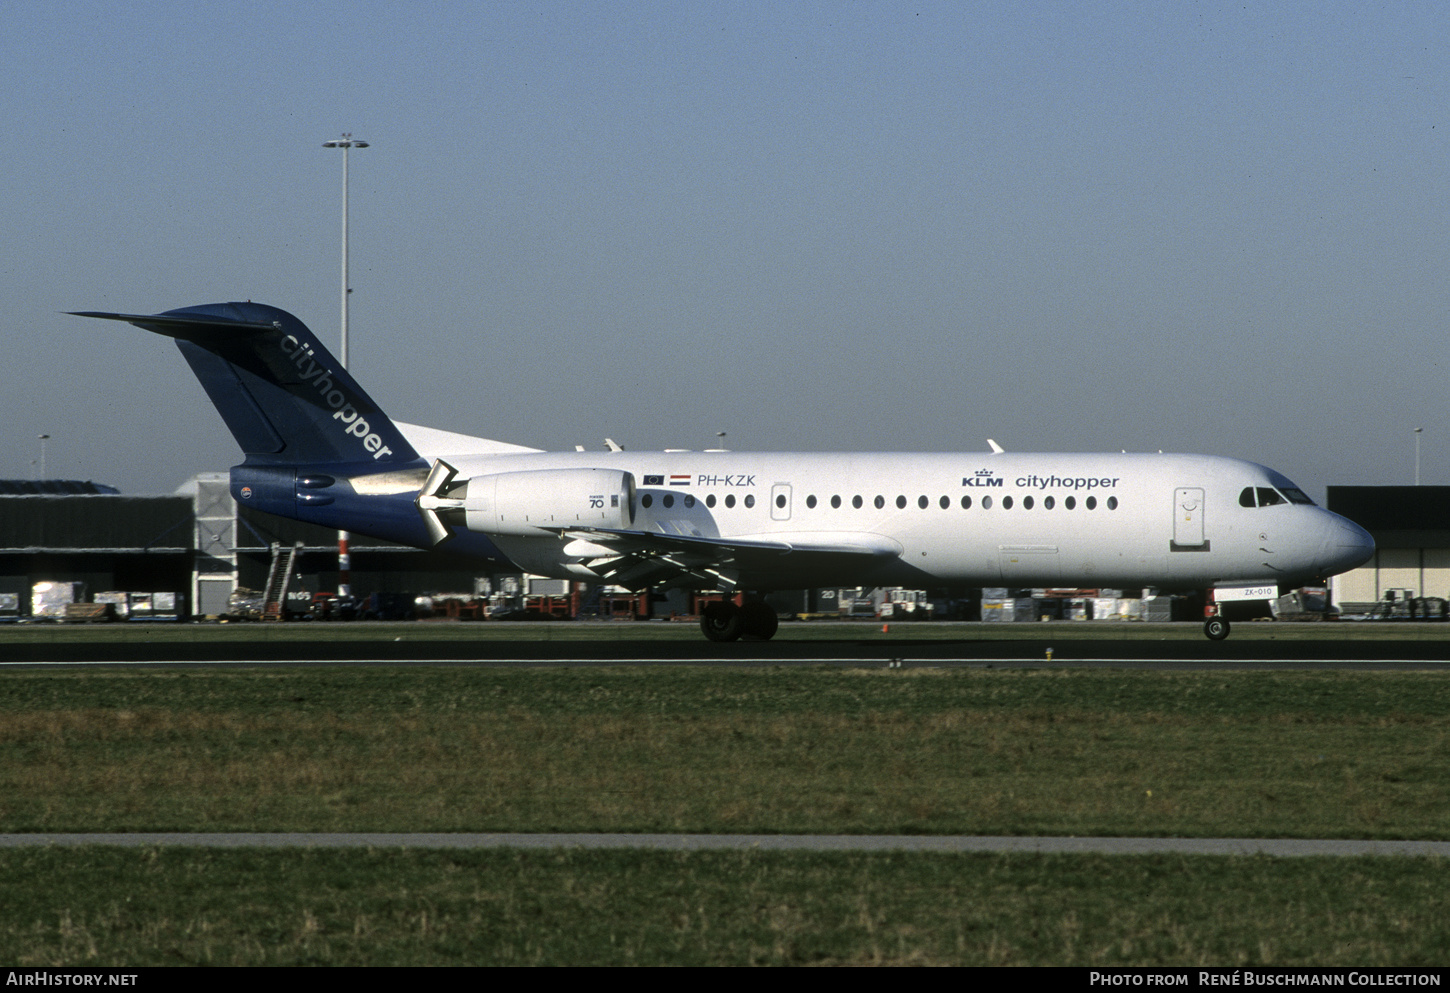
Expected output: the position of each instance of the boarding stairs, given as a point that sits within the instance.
(279, 574)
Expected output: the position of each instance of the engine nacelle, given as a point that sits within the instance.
(529, 502)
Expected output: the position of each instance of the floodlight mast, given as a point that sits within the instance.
(347, 142)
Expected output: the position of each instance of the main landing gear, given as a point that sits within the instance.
(754, 621)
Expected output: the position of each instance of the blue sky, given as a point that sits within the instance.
(1193, 227)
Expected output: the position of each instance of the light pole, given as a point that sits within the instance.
(347, 142)
(43, 439)
(1418, 432)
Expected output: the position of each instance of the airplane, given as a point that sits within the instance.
(318, 449)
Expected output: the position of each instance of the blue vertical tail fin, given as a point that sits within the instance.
(284, 397)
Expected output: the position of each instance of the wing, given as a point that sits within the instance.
(637, 559)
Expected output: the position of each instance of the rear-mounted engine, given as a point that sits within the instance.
(534, 502)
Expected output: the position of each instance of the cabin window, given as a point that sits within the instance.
(835, 502)
(1092, 503)
(810, 501)
(749, 500)
(1027, 503)
(901, 503)
(1112, 503)
(922, 502)
(729, 499)
(856, 502)
(1048, 503)
(646, 501)
(986, 503)
(669, 500)
(946, 502)
(780, 500)
(710, 501)
(966, 503)
(880, 502)
(689, 500)
(1070, 503)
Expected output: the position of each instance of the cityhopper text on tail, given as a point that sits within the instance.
(318, 449)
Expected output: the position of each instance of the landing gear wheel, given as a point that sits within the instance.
(1216, 628)
(721, 622)
(758, 621)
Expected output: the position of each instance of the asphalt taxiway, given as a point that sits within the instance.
(975, 650)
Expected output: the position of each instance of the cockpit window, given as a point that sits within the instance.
(1267, 496)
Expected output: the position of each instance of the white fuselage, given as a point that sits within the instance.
(1011, 519)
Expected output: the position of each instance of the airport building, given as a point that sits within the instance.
(88, 536)
(1411, 529)
(193, 549)
(196, 546)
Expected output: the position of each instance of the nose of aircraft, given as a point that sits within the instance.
(1345, 545)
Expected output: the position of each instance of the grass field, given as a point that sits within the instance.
(1081, 752)
(1287, 754)
(409, 907)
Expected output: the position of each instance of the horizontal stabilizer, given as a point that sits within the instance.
(187, 328)
(283, 396)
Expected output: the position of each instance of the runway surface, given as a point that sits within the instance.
(975, 649)
(758, 842)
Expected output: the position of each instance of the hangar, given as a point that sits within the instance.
(82, 532)
(196, 544)
(199, 545)
(1411, 528)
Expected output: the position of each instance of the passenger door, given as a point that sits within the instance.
(1188, 518)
